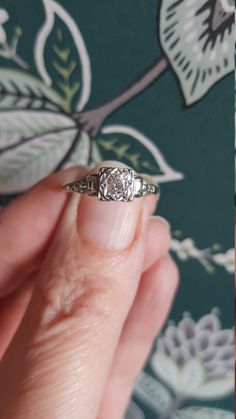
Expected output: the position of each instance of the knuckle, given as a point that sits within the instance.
(70, 291)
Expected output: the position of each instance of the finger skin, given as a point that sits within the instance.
(69, 334)
(149, 311)
(158, 241)
(27, 225)
(11, 311)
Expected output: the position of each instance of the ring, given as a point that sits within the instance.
(114, 184)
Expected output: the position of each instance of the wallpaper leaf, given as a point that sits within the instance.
(134, 412)
(82, 152)
(59, 24)
(22, 126)
(20, 90)
(203, 413)
(198, 43)
(33, 145)
(153, 393)
(127, 144)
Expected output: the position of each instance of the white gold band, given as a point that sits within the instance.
(114, 184)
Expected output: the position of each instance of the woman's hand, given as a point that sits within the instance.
(85, 286)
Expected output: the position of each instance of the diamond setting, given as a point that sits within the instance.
(116, 184)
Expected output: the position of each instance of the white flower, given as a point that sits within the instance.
(226, 259)
(228, 6)
(184, 249)
(196, 359)
(3, 18)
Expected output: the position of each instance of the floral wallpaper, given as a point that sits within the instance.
(149, 83)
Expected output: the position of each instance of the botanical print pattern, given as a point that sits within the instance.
(196, 359)
(197, 37)
(192, 361)
(45, 122)
(9, 50)
(188, 413)
(186, 249)
(44, 127)
(134, 412)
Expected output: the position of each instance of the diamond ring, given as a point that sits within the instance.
(114, 184)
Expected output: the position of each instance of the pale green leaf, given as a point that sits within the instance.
(151, 392)
(17, 127)
(166, 369)
(20, 90)
(198, 412)
(134, 412)
(81, 152)
(68, 56)
(199, 53)
(215, 389)
(126, 144)
(33, 145)
(191, 376)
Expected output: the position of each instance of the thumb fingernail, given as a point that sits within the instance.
(109, 225)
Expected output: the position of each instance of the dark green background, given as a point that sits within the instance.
(122, 41)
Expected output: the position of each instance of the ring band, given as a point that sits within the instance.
(114, 184)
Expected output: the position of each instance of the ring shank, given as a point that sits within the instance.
(89, 185)
(142, 187)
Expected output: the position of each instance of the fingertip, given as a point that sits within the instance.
(151, 201)
(168, 272)
(158, 240)
(160, 283)
(158, 288)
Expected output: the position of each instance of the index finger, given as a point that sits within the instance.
(27, 224)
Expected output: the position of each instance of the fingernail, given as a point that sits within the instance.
(108, 225)
(164, 221)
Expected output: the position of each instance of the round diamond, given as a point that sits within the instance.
(116, 184)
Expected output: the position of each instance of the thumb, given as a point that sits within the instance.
(59, 360)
